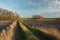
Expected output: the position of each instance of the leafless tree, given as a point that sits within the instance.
(8, 15)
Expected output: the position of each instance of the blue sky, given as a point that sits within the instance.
(27, 8)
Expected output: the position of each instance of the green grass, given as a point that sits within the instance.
(28, 34)
(22, 33)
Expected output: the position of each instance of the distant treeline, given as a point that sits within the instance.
(8, 15)
(37, 16)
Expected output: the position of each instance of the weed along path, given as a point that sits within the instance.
(29, 35)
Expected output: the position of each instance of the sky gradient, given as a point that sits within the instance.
(27, 8)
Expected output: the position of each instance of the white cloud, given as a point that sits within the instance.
(54, 4)
(51, 10)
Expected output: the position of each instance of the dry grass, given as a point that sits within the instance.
(51, 31)
(7, 34)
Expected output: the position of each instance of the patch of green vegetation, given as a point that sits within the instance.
(29, 35)
(22, 33)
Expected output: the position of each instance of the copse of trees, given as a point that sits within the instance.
(37, 16)
(8, 15)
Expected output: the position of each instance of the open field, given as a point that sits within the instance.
(41, 23)
(30, 30)
(48, 27)
(4, 22)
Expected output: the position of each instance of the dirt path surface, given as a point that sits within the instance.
(16, 35)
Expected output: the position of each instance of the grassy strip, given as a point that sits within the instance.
(22, 33)
(29, 35)
(41, 35)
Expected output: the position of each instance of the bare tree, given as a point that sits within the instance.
(8, 15)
